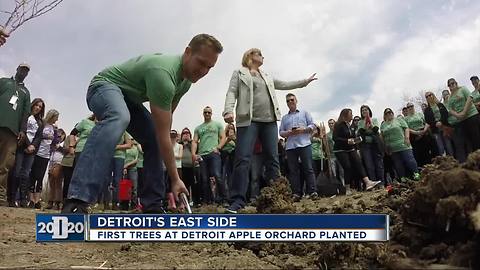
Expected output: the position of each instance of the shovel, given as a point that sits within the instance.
(184, 199)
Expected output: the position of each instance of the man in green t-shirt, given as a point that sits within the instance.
(208, 139)
(14, 111)
(115, 96)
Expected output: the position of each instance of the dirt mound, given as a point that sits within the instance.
(276, 199)
(439, 215)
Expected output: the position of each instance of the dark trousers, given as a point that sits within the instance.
(422, 149)
(471, 129)
(39, 168)
(305, 155)
(188, 174)
(20, 177)
(211, 166)
(67, 176)
(352, 166)
(373, 161)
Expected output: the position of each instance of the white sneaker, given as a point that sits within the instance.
(372, 184)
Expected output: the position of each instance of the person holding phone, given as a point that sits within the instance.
(344, 149)
(296, 127)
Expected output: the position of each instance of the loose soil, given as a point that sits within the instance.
(434, 224)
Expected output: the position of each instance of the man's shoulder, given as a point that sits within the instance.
(6, 80)
(161, 61)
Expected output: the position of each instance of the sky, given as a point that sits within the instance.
(374, 52)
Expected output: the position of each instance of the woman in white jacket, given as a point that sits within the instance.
(256, 115)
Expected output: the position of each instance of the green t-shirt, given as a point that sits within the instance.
(140, 159)
(416, 121)
(475, 96)
(436, 112)
(394, 135)
(457, 102)
(368, 131)
(317, 151)
(331, 143)
(84, 128)
(229, 147)
(130, 155)
(67, 160)
(209, 136)
(121, 153)
(151, 77)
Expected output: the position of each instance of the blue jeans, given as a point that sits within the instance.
(373, 161)
(256, 174)
(405, 163)
(211, 166)
(305, 154)
(246, 137)
(444, 144)
(116, 113)
(23, 166)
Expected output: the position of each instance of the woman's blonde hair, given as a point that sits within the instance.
(50, 115)
(247, 56)
(435, 99)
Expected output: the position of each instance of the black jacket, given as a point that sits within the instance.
(341, 134)
(430, 118)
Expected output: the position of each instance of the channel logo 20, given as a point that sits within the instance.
(60, 227)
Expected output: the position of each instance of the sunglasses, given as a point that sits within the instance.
(409, 106)
(290, 100)
(207, 112)
(427, 96)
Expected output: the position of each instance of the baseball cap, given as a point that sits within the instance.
(25, 65)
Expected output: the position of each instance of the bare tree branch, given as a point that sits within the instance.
(25, 10)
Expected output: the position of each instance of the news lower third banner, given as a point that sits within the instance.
(212, 227)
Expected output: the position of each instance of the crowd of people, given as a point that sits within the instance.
(126, 157)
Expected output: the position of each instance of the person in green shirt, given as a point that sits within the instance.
(464, 118)
(116, 96)
(228, 154)
(336, 167)
(320, 163)
(15, 110)
(396, 137)
(371, 149)
(420, 138)
(476, 92)
(209, 139)
(436, 116)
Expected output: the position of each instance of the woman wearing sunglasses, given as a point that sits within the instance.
(396, 137)
(420, 138)
(463, 116)
(252, 92)
(436, 116)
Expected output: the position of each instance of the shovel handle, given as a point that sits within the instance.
(184, 199)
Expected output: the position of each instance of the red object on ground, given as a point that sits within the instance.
(125, 190)
(389, 189)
